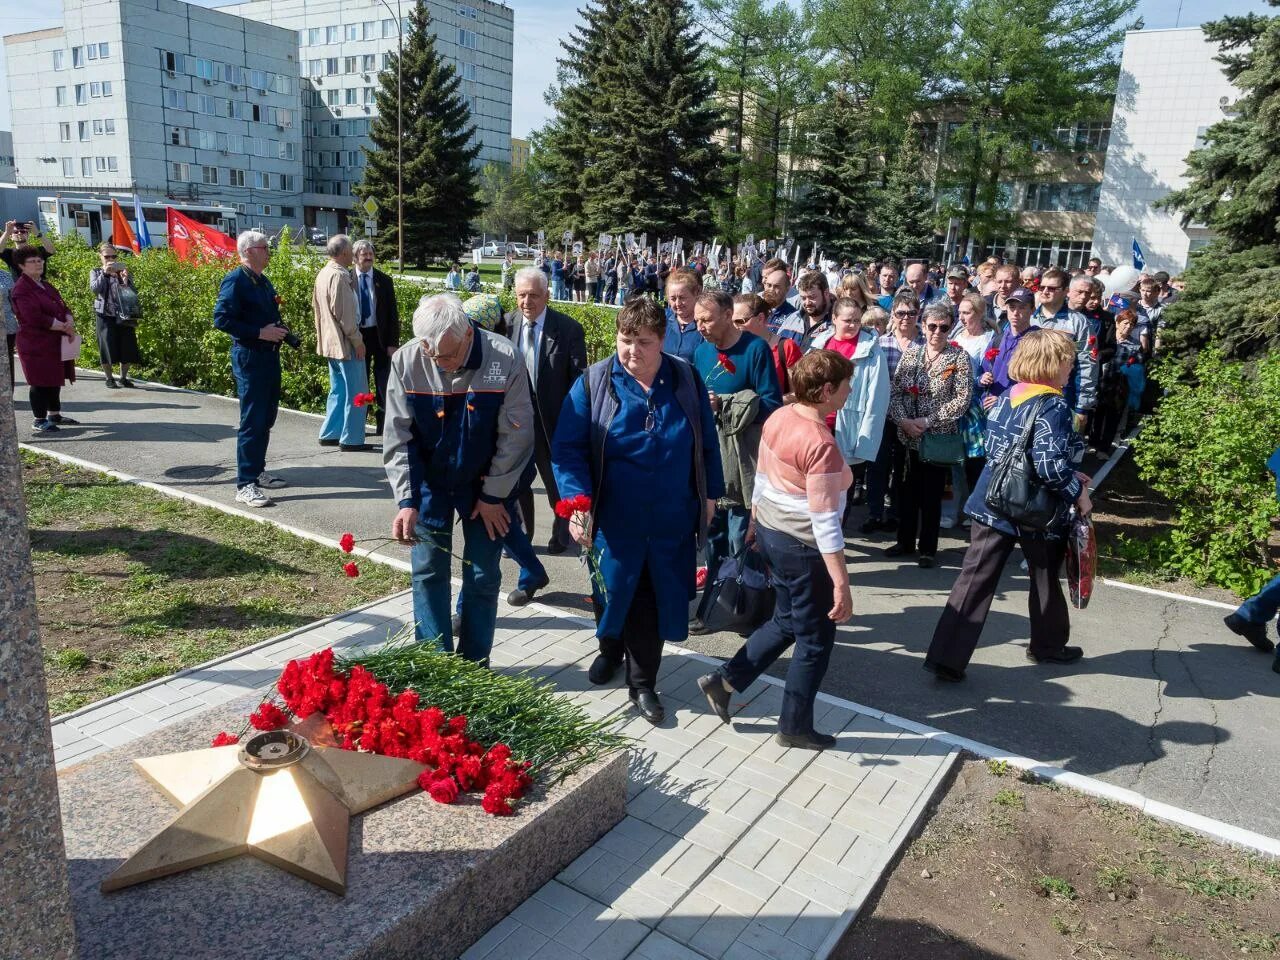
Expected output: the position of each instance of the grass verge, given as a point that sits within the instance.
(132, 585)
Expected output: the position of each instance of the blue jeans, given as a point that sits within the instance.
(343, 420)
(725, 536)
(803, 597)
(257, 376)
(1263, 606)
(481, 577)
(517, 545)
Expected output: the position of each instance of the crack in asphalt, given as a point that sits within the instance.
(1152, 748)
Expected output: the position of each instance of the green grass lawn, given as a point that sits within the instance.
(132, 585)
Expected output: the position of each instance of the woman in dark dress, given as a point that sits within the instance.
(43, 323)
(116, 330)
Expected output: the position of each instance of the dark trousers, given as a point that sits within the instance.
(725, 536)
(44, 401)
(257, 374)
(803, 597)
(885, 475)
(973, 467)
(542, 461)
(377, 367)
(956, 635)
(1105, 422)
(639, 643)
(920, 508)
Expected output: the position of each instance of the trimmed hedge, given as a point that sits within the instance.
(181, 347)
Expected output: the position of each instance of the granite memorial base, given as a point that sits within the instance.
(424, 880)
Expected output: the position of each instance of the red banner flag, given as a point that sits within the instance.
(192, 240)
(121, 232)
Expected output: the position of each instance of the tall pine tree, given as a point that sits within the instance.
(439, 150)
(839, 191)
(904, 219)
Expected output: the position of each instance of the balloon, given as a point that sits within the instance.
(1121, 280)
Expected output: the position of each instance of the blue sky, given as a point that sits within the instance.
(541, 23)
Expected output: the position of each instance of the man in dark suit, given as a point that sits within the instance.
(554, 350)
(379, 323)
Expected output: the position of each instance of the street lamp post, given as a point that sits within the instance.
(399, 132)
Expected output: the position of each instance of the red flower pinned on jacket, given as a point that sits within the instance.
(347, 542)
(991, 354)
(913, 390)
(953, 343)
(268, 717)
(350, 569)
(364, 399)
(224, 739)
(1092, 340)
(1131, 361)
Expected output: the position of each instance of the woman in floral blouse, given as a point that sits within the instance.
(930, 393)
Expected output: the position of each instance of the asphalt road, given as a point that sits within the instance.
(1166, 701)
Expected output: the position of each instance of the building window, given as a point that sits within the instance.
(77, 56)
(68, 167)
(177, 136)
(351, 31)
(331, 34)
(313, 37)
(369, 30)
(315, 68)
(235, 178)
(180, 172)
(175, 63)
(86, 166)
(262, 180)
(83, 129)
(388, 28)
(1093, 136)
(331, 98)
(95, 89)
(349, 64)
(368, 62)
(467, 71)
(64, 131)
(106, 88)
(174, 99)
(331, 66)
(349, 96)
(210, 175)
(104, 51)
(60, 96)
(91, 52)
(287, 213)
(1034, 253)
(286, 181)
(82, 94)
(386, 61)
(302, 38)
(466, 38)
(59, 59)
(471, 13)
(369, 94)
(1062, 197)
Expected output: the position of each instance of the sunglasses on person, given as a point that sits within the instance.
(108, 257)
(905, 314)
(937, 327)
(1044, 289)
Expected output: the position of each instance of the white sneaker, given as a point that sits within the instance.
(267, 482)
(251, 496)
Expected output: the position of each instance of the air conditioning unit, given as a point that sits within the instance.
(262, 91)
(235, 86)
(172, 73)
(366, 108)
(279, 126)
(366, 76)
(208, 83)
(337, 111)
(319, 81)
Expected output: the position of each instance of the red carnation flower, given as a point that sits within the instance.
(268, 717)
(496, 801)
(953, 343)
(728, 364)
(992, 354)
(564, 509)
(582, 503)
(350, 569)
(1092, 339)
(1131, 361)
(913, 390)
(347, 542)
(224, 739)
(364, 399)
(441, 790)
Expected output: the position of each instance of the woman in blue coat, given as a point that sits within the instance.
(637, 436)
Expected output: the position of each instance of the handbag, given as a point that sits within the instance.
(71, 347)
(943, 449)
(741, 597)
(1015, 492)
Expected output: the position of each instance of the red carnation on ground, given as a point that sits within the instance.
(268, 717)
(350, 569)
(224, 739)
(444, 790)
(347, 542)
(496, 802)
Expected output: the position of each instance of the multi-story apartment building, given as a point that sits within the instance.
(6, 157)
(162, 98)
(343, 44)
(519, 153)
(1171, 91)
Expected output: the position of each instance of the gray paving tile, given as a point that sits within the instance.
(719, 932)
(656, 946)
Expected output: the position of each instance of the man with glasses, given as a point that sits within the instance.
(22, 234)
(1094, 268)
(248, 311)
(1054, 314)
(459, 437)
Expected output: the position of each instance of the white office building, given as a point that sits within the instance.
(1171, 90)
(343, 44)
(161, 98)
(6, 157)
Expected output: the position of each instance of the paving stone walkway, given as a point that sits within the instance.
(732, 848)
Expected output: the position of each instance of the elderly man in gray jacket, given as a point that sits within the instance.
(458, 436)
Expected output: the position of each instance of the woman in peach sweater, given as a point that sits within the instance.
(797, 504)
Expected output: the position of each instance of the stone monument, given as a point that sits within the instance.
(35, 904)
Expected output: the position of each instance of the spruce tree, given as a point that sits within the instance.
(903, 219)
(439, 150)
(835, 208)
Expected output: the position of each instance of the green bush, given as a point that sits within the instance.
(1205, 449)
(181, 347)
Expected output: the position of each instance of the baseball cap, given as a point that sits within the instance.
(1022, 295)
(958, 273)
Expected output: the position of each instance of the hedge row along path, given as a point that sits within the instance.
(1166, 702)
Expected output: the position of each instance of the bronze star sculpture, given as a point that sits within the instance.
(279, 796)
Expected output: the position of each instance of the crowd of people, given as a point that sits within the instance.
(743, 412)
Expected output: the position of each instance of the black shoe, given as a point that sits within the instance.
(650, 707)
(950, 674)
(697, 628)
(806, 741)
(924, 560)
(355, 447)
(871, 525)
(62, 421)
(889, 525)
(859, 495)
(1065, 655)
(712, 687)
(328, 443)
(898, 550)
(1255, 633)
(111, 384)
(555, 547)
(44, 426)
(126, 382)
(602, 670)
(520, 596)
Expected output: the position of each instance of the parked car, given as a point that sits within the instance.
(492, 249)
(317, 236)
(520, 251)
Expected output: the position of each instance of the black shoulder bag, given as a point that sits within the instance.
(1016, 491)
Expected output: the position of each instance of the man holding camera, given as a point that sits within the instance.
(248, 310)
(22, 234)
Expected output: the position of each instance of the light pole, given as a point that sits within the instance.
(399, 132)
